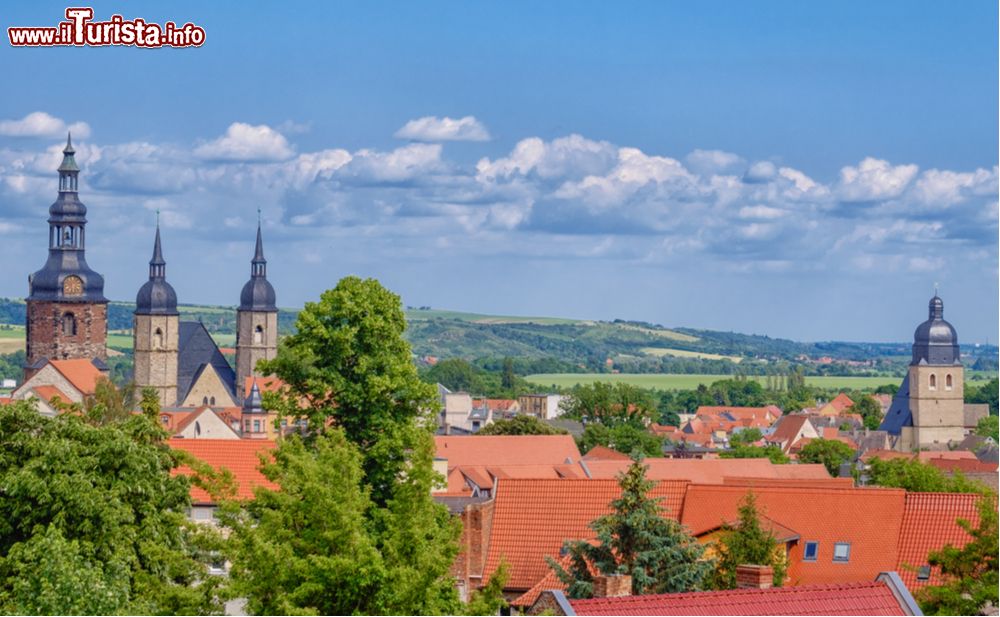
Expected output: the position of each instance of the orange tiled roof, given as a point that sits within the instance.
(964, 465)
(603, 453)
(709, 471)
(47, 392)
(869, 519)
(950, 455)
(886, 455)
(928, 525)
(532, 518)
(239, 456)
(860, 598)
(81, 373)
(506, 449)
(788, 429)
(842, 402)
(483, 475)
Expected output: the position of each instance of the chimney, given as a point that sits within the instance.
(614, 586)
(754, 577)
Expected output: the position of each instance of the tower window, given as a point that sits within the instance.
(212, 401)
(258, 335)
(932, 382)
(158, 339)
(947, 382)
(204, 400)
(69, 324)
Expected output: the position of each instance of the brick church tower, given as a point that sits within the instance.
(67, 310)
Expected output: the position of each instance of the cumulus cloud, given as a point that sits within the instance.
(874, 179)
(41, 124)
(432, 129)
(245, 142)
(714, 161)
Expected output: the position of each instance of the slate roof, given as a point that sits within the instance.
(899, 414)
(196, 349)
(861, 598)
(532, 518)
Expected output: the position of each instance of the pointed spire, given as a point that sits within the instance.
(253, 403)
(258, 266)
(258, 253)
(157, 265)
(69, 144)
(68, 162)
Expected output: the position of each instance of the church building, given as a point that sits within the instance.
(929, 409)
(67, 319)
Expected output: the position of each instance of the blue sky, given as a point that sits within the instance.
(806, 170)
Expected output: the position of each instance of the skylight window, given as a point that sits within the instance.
(811, 551)
(841, 551)
(924, 573)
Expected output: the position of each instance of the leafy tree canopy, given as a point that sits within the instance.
(988, 427)
(773, 453)
(93, 522)
(919, 477)
(748, 543)
(520, 425)
(830, 452)
(624, 438)
(610, 404)
(869, 409)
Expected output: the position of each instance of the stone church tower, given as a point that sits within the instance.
(936, 381)
(256, 320)
(66, 307)
(156, 326)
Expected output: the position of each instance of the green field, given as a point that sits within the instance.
(690, 382)
(682, 353)
(422, 314)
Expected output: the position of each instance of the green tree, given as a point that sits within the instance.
(918, 477)
(624, 438)
(748, 543)
(520, 425)
(988, 427)
(455, 374)
(870, 411)
(92, 520)
(830, 452)
(636, 539)
(969, 573)
(610, 404)
(745, 437)
(771, 452)
(509, 379)
(349, 363)
(988, 393)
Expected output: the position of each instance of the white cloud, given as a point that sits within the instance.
(713, 161)
(401, 164)
(41, 124)
(245, 142)
(761, 171)
(943, 188)
(761, 212)
(874, 180)
(572, 156)
(432, 128)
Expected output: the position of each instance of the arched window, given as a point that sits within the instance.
(204, 400)
(258, 335)
(212, 401)
(947, 382)
(933, 382)
(69, 324)
(158, 339)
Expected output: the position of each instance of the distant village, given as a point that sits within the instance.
(519, 497)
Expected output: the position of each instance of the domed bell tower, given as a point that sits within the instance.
(936, 382)
(256, 320)
(156, 325)
(67, 315)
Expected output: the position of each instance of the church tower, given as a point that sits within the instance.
(66, 307)
(156, 326)
(256, 320)
(936, 383)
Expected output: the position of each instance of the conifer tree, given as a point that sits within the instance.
(747, 543)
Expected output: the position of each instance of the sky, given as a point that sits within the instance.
(807, 170)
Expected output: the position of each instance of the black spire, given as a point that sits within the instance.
(253, 402)
(258, 294)
(67, 240)
(156, 296)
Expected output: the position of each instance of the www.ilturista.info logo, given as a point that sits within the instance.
(79, 29)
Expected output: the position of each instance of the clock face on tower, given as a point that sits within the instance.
(72, 286)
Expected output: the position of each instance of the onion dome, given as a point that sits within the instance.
(156, 296)
(258, 294)
(935, 341)
(66, 277)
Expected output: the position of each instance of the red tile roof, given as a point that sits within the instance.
(81, 373)
(868, 518)
(842, 402)
(709, 471)
(264, 384)
(861, 598)
(506, 449)
(928, 525)
(239, 456)
(603, 453)
(532, 518)
(47, 392)
(788, 430)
